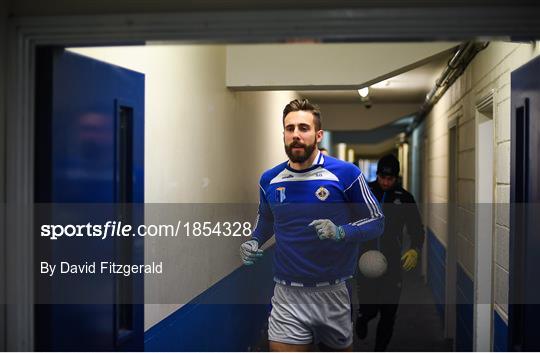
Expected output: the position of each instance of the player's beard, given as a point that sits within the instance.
(300, 158)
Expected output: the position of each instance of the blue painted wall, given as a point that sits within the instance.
(464, 292)
(437, 270)
(464, 311)
(500, 333)
(229, 316)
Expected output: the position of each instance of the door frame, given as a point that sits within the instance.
(451, 242)
(425, 204)
(255, 26)
(484, 216)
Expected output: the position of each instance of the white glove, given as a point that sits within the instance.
(249, 252)
(326, 229)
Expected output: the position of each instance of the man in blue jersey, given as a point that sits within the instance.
(320, 209)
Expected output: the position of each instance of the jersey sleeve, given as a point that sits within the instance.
(368, 218)
(264, 223)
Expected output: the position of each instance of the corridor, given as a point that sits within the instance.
(439, 108)
(157, 144)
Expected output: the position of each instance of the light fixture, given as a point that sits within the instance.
(364, 97)
(363, 92)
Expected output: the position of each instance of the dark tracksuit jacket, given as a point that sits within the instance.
(400, 210)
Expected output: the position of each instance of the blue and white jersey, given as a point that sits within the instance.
(291, 199)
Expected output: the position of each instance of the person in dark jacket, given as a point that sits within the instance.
(381, 295)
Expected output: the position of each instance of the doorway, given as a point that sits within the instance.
(89, 170)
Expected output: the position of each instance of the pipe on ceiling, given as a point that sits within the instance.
(464, 54)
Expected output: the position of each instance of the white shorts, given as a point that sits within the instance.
(303, 315)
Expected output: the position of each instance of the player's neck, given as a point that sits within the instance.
(306, 164)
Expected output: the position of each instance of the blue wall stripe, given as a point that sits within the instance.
(464, 311)
(500, 333)
(229, 316)
(436, 274)
(439, 247)
(463, 336)
(437, 270)
(437, 253)
(436, 282)
(464, 291)
(465, 283)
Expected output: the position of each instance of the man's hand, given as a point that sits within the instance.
(326, 229)
(249, 252)
(410, 259)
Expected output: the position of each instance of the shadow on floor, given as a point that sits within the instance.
(418, 327)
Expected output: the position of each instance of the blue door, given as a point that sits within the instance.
(89, 167)
(524, 313)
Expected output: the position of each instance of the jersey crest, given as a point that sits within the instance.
(322, 193)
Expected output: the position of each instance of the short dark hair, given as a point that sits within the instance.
(304, 105)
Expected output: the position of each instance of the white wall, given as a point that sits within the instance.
(437, 175)
(489, 70)
(203, 144)
(374, 150)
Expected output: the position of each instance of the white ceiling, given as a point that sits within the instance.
(408, 87)
(374, 127)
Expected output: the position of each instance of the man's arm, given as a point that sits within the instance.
(263, 230)
(264, 224)
(370, 221)
(415, 229)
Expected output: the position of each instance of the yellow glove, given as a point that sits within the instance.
(410, 259)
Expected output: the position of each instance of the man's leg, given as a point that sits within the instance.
(366, 313)
(325, 348)
(333, 330)
(288, 324)
(388, 310)
(368, 298)
(285, 347)
(385, 327)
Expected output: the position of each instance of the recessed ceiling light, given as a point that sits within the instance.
(363, 92)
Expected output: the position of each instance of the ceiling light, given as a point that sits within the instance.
(363, 92)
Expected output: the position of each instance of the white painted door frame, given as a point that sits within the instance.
(451, 242)
(485, 188)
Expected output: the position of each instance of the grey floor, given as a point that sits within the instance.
(418, 327)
